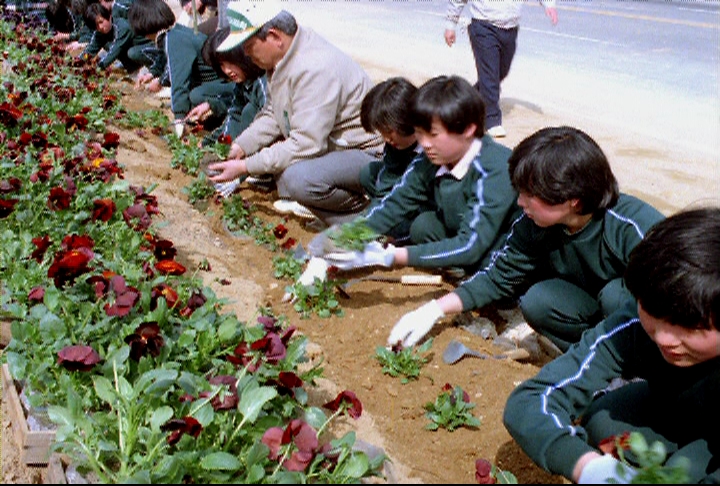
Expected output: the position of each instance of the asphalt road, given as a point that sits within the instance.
(641, 77)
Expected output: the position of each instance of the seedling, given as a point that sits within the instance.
(450, 410)
(405, 362)
(353, 235)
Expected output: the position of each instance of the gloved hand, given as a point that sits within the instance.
(606, 470)
(414, 325)
(316, 268)
(179, 128)
(373, 254)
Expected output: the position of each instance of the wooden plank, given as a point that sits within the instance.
(34, 445)
(56, 469)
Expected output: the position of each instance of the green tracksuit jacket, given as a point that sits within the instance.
(589, 258)
(116, 43)
(248, 99)
(542, 414)
(476, 210)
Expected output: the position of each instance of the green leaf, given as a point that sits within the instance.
(160, 416)
(356, 466)
(105, 390)
(221, 461)
(252, 401)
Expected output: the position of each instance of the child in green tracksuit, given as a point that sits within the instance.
(386, 109)
(565, 256)
(249, 92)
(457, 196)
(115, 36)
(191, 80)
(664, 345)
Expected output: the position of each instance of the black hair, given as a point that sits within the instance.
(387, 107)
(213, 58)
(92, 12)
(674, 272)
(147, 17)
(451, 99)
(59, 16)
(558, 164)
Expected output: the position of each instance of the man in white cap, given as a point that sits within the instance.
(309, 136)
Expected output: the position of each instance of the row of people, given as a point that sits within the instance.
(626, 292)
(600, 273)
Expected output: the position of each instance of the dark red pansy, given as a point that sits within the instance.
(41, 243)
(78, 358)
(225, 399)
(74, 241)
(7, 206)
(280, 231)
(68, 265)
(145, 340)
(103, 209)
(36, 294)
(179, 427)
(348, 401)
(10, 185)
(288, 244)
(164, 250)
(111, 140)
(614, 443)
(163, 290)
(483, 472)
(196, 300)
(272, 347)
(125, 297)
(59, 199)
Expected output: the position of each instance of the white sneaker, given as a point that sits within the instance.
(164, 93)
(285, 206)
(497, 131)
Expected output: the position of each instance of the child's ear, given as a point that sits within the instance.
(470, 130)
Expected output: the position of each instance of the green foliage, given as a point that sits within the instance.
(651, 467)
(156, 120)
(319, 298)
(353, 235)
(286, 266)
(199, 190)
(239, 219)
(406, 362)
(450, 411)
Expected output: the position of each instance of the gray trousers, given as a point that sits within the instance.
(562, 311)
(329, 186)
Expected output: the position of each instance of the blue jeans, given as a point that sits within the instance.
(493, 49)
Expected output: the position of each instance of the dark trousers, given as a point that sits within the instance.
(493, 49)
(630, 408)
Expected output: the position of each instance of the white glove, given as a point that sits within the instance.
(606, 470)
(414, 325)
(373, 254)
(179, 129)
(316, 268)
(226, 189)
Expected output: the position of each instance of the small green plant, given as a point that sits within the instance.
(319, 298)
(239, 220)
(154, 119)
(287, 266)
(650, 459)
(199, 190)
(488, 473)
(353, 235)
(405, 362)
(450, 410)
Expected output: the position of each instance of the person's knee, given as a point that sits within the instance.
(535, 305)
(426, 227)
(613, 296)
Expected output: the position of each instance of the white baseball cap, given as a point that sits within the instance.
(247, 17)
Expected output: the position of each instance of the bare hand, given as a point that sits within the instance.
(236, 152)
(200, 113)
(143, 79)
(228, 170)
(154, 86)
(449, 37)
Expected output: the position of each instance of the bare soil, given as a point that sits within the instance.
(393, 418)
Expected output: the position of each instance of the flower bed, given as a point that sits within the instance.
(144, 374)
